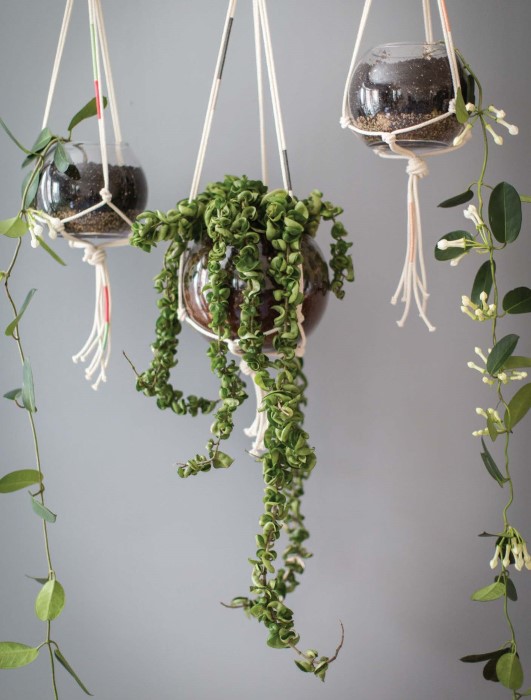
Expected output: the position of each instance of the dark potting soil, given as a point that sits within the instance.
(64, 194)
(385, 96)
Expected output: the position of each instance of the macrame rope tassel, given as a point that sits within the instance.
(413, 281)
(98, 344)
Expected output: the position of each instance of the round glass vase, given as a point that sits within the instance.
(195, 277)
(397, 86)
(63, 194)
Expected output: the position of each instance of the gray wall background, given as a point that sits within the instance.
(399, 493)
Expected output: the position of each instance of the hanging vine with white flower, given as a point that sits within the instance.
(496, 223)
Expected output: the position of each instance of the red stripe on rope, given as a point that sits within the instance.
(107, 305)
(98, 103)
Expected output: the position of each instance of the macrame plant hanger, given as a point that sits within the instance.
(97, 348)
(413, 281)
(261, 36)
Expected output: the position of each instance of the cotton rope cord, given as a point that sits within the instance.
(261, 31)
(260, 86)
(97, 348)
(413, 280)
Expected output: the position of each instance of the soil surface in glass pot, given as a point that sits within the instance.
(384, 96)
(316, 285)
(64, 194)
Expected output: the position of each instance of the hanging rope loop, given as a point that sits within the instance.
(99, 342)
(413, 281)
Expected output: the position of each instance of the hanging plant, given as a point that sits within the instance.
(404, 101)
(496, 221)
(264, 239)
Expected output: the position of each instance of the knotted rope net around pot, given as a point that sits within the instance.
(401, 99)
(93, 201)
(262, 38)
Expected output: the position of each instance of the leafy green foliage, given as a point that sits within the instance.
(64, 663)
(509, 671)
(518, 406)
(15, 655)
(462, 198)
(490, 465)
(460, 107)
(42, 511)
(482, 281)
(86, 112)
(13, 228)
(50, 601)
(28, 391)
(20, 479)
(518, 301)
(491, 592)
(240, 213)
(501, 352)
(505, 213)
(12, 327)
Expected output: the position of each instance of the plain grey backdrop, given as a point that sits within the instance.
(399, 493)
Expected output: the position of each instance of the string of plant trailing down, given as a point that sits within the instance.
(50, 601)
(497, 223)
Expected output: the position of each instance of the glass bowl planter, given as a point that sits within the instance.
(195, 277)
(395, 86)
(64, 194)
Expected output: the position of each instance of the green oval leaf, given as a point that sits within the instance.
(516, 362)
(64, 663)
(451, 253)
(509, 671)
(61, 159)
(462, 198)
(13, 395)
(42, 511)
(20, 479)
(460, 107)
(517, 301)
(13, 228)
(87, 111)
(490, 465)
(500, 353)
(511, 590)
(28, 391)
(43, 139)
(31, 181)
(15, 655)
(505, 213)
(476, 658)
(482, 281)
(492, 592)
(518, 406)
(10, 329)
(50, 601)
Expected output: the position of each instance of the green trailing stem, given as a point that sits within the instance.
(239, 213)
(496, 224)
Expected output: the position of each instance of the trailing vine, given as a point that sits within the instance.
(239, 213)
(496, 224)
(50, 601)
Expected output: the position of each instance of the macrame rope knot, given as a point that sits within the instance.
(417, 167)
(94, 255)
(105, 195)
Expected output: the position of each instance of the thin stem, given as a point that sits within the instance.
(16, 336)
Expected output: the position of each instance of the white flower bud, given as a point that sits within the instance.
(507, 558)
(498, 140)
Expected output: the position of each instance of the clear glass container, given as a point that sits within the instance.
(316, 283)
(395, 86)
(64, 194)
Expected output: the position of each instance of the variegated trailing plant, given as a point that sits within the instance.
(497, 222)
(236, 215)
(50, 600)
